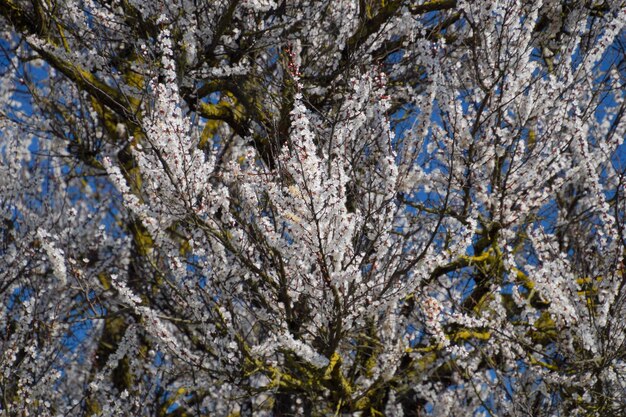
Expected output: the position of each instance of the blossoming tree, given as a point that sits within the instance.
(341, 207)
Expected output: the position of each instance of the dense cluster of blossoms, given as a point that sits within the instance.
(312, 208)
